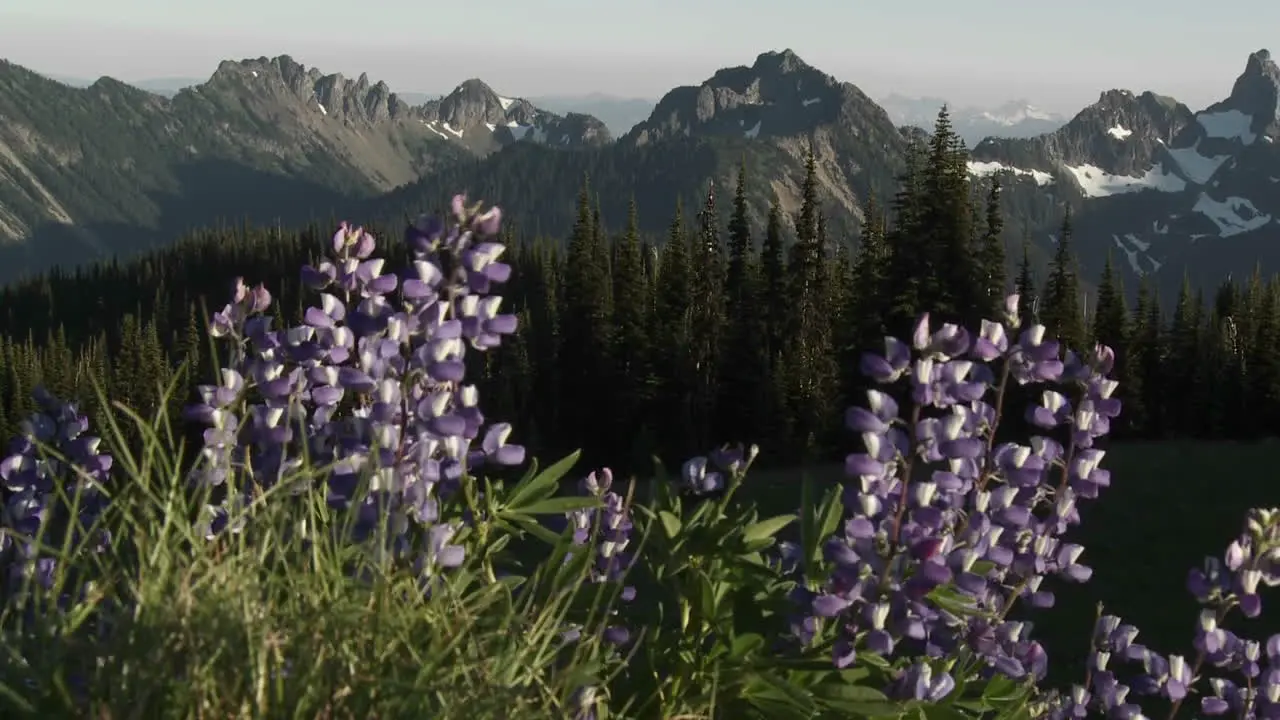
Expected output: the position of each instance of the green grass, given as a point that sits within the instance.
(278, 628)
(272, 623)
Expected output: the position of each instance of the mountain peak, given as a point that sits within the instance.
(1259, 61)
(781, 61)
(1252, 109)
(474, 87)
(473, 102)
(778, 97)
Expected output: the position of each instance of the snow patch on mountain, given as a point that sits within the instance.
(1095, 182)
(1135, 252)
(987, 169)
(1233, 216)
(1228, 125)
(1198, 168)
(1119, 133)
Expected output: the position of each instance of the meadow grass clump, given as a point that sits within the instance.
(353, 537)
(280, 616)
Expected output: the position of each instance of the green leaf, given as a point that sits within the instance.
(745, 644)
(767, 528)
(831, 513)
(837, 687)
(755, 546)
(938, 711)
(1001, 688)
(854, 674)
(808, 515)
(670, 523)
(982, 567)
(558, 505)
(859, 700)
(532, 527)
(778, 698)
(976, 706)
(698, 516)
(543, 485)
(951, 600)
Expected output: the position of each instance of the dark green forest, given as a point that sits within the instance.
(633, 345)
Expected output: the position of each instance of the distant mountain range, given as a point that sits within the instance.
(619, 114)
(1016, 119)
(111, 169)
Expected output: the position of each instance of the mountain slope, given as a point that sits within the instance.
(767, 115)
(107, 169)
(1167, 190)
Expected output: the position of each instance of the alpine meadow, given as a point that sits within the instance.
(771, 406)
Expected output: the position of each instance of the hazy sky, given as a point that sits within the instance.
(1058, 55)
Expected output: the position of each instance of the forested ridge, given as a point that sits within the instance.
(633, 344)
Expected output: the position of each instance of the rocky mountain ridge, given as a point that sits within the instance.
(1168, 190)
(111, 169)
(782, 102)
(473, 115)
(1162, 188)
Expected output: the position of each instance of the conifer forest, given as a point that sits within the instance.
(632, 347)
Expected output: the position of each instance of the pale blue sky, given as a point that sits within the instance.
(1058, 55)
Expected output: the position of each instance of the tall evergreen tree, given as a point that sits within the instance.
(810, 363)
(1184, 352)
(910, 264)
(774, 280)
(948, 228)
(1062, 314)
(1110, 315)
(870, 274)
(586, 326)
(671, 333)
(992, 276)
(1111, 328)
(631, 330)
(739, 267)
(707, 319)
(743, 396)
(1025, 287)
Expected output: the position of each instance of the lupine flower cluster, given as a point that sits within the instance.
(54, 477)
(935, 503)
(713, 473)
(371, 386)
(610, 526)
(1247, 684)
